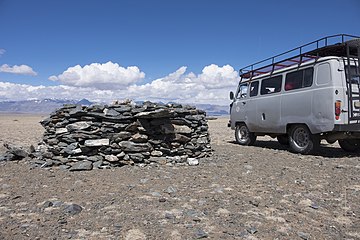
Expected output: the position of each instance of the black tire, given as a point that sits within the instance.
(283, 139)
(350, 145)
(302, 141)
(243, 136)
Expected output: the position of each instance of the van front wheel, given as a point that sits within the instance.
(243, 136)
(350, 145)
(301, 140)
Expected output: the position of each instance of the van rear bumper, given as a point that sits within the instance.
(354, 127)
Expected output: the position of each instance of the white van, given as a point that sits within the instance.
(303, 98)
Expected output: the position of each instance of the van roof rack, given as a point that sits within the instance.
(334, 45)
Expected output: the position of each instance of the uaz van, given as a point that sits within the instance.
(302, 96)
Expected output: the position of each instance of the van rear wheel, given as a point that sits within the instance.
(350, 145)
(301, 140)
(243, 136)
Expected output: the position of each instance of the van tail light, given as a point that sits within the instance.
(337, 109)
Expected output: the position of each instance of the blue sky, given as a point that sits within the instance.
(159, 37)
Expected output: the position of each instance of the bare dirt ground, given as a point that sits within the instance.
(258, 192)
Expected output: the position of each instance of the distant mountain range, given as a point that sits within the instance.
(47, 106)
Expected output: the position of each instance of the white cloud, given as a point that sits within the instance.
(12, 91)
(2, 51)
(22, 69)
(212, 86)
(101, 76)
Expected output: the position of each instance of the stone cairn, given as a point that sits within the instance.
(100, 136)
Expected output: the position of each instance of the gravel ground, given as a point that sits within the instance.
(258, 192)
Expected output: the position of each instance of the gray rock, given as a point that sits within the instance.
(139, 138)
(192, 161)
(77, 126)
(98, 164)
(156, 153)
(97, 142)
(128, 146)
(173, 128)
(182, 129)
(199, 234)
(15, 152)
(82, 166)
(59, 131)
(73, 209)
(111, 112)
(118, 137)
(95, 158)
(136, 157)
(194, 117)
(47, 204)
(155, 194)
(202, 140)
(252, 230)
(64, 167)
(181, 138)
(170, 190)
(132, 127)
(159, 113)
(169, 216)
(69, 148)
(121, 155)
(303, 235)
(111, 158)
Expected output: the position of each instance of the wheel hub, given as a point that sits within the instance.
(301, 138)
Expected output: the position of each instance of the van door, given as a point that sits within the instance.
(238, 112)
(268, 105)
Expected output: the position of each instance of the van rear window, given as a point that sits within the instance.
(299, 79)
(271, 85)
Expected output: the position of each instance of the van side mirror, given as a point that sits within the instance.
(231, 95)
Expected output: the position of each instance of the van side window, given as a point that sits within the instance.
(299, 79)
(323, 74)
(243, 89)
(254, 88)
(271, 85)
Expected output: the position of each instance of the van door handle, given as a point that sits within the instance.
(243, 103)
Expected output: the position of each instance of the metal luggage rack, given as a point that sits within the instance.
(334, 45)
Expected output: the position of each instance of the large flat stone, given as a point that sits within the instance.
(77, 126)
(128, 146)
(97, 142)
(82, 166)
(158, 113)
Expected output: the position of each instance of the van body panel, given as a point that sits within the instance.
(268, 114)
(296, 107)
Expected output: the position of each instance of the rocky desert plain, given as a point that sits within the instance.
(258, 192)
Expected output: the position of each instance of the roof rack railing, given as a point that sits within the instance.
(326, 46)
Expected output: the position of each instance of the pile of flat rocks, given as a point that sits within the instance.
(101, 136)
